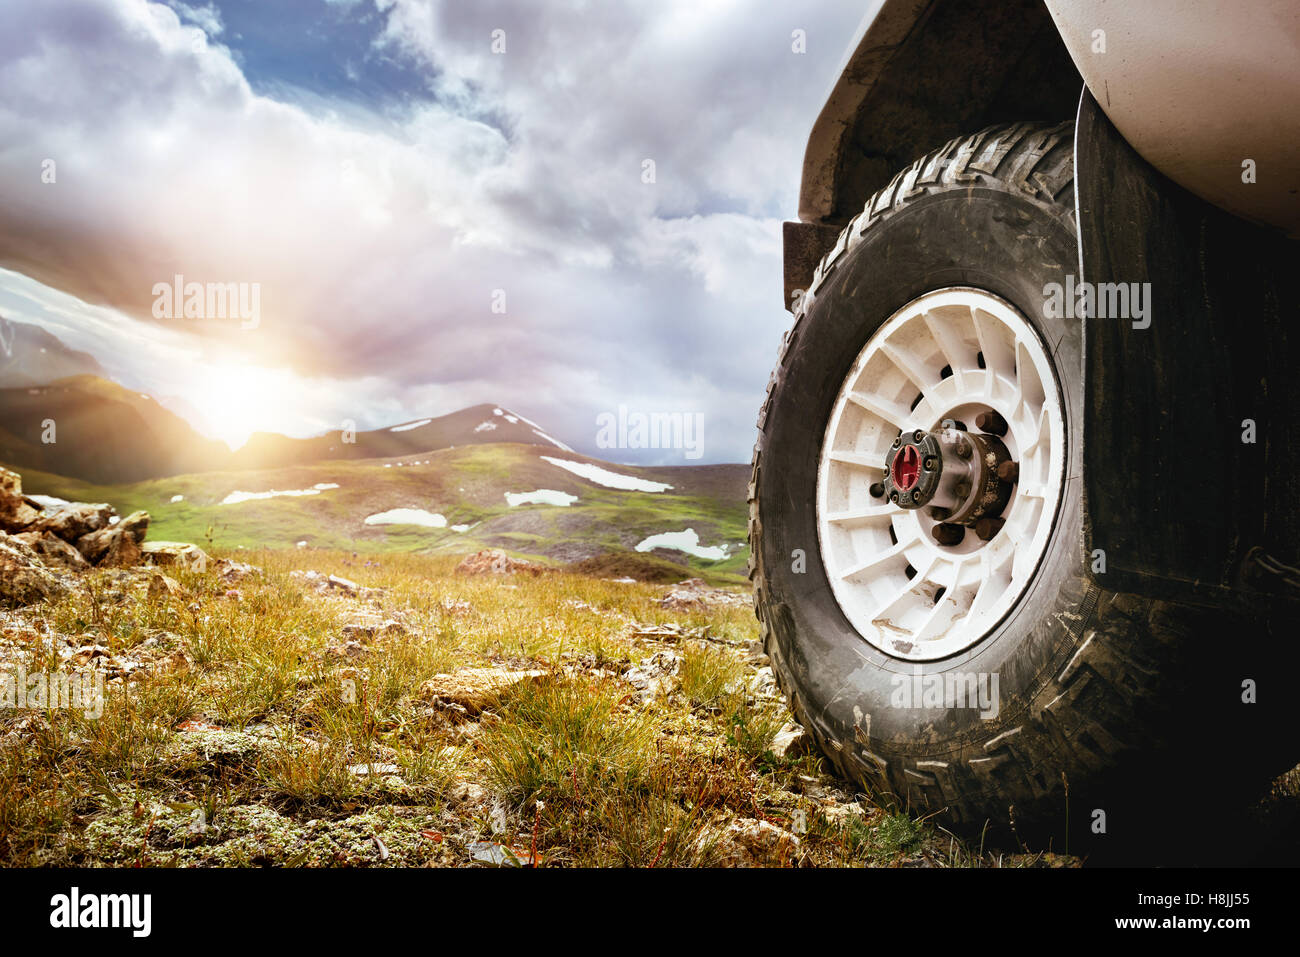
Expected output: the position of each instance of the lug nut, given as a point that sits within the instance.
(929, 463)
(893, 497)
(963, 448)
(961, 491)
(988, 526)
(918, 435)
(990, 422)
(948, 534)
(877, 490)
(939, 513)
(1009, 472)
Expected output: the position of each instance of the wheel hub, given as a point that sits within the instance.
(964, 477)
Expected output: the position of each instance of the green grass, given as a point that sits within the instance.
(572, 763)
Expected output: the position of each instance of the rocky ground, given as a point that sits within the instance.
(319, 708)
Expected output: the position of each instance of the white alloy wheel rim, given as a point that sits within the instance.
(962, 351)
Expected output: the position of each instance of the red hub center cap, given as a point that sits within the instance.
(905, 470)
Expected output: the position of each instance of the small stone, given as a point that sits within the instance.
(347, 586)
(467, 792)
(493, 561)
(840, 814)
(186, 554)
(752, 843)
(693, 594)
(364, 770)
(474, 688)
(792, 741)
(161, 586)
(232, 572)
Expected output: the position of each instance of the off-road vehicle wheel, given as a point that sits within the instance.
(916, 526)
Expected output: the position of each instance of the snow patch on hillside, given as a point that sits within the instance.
(407, 516)
(410, 425)
(542, 496)
(234, 498)
(555, 442)
(594, 473)
(685, 541)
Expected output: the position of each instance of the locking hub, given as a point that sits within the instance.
(963, 477)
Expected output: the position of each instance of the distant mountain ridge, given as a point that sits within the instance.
(477, 425)
(93, 429)
(104, 433)
(30, 355)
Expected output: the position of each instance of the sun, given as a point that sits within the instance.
(236, 399)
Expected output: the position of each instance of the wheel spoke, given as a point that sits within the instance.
(859, 460)
(880, 558)
(945, 607)
(998, 357)
(862, 514)
(955, 351)
(908, 587)
(909, 367)
(891, 412)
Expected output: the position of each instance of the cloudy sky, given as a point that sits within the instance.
(384, 175)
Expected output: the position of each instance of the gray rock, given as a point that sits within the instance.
(345, 585)
(15, 513)
(655, 676)
(185, 554)
(117, 545)
(24, 580)
(792, 741)
(751, 843)
(69, 522)
(52, 550)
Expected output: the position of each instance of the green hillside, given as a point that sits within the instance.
(467, 486)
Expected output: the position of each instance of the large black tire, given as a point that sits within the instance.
(1116, 699)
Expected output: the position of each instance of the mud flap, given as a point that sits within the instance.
(1192, 410)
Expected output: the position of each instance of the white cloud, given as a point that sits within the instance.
(378, 239)
(206, 16)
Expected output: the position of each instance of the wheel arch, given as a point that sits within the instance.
(919, 73)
